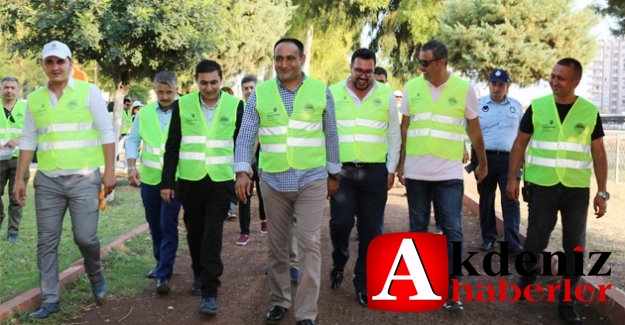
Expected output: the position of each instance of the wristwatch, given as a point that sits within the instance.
(336, 177)
(604, 195)
(131, 169)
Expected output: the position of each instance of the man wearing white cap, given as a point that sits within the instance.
(67, 122)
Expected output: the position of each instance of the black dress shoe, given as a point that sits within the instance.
(487, 246)
(362, 298)
(162, 286)
(567, 313)
(514, 252)
(275, 314)
(306, 322)
(151, 274)
(336, 277)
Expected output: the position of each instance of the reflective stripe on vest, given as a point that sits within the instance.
(67, 137)
(297, 141)
(437, 129)
(12, 128)
(559, 152)
(363, 130)
(154, 140)
(207, 149)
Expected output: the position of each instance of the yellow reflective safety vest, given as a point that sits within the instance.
(126, 122)
(559, 152)
(67, 135)
(207, 149)
(154, 140)
(437, 129)
(11, 128)
(297, 141)
(362, 131)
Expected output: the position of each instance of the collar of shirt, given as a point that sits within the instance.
(204, 106)
(281, 85)
(504, 102)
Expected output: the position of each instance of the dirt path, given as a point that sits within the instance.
(244, 293)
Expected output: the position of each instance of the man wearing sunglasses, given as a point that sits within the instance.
(436, 109)
(11, 123)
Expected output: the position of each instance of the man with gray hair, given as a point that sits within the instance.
(11, 123)
(66, 121)
(161, 216)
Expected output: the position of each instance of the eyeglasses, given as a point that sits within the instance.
(426, 63)
(360, 71)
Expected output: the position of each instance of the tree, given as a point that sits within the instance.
(247, 45)
(616, 10)
(330, 31)
(129, 39)
(398, 32)
(525, 37)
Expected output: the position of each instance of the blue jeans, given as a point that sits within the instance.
(498, 175)
(447, 198)
(163, 221)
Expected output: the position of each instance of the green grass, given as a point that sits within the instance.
(124, 268)
(18, 262)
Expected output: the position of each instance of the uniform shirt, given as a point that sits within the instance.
(134, 138)
(499, 122)
(290, 180)
(430, 167)
(95, 104)
(393, 138)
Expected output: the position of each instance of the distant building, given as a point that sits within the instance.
(606, 77)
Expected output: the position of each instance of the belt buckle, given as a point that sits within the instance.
(359, 165)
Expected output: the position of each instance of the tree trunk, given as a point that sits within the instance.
(308, 47)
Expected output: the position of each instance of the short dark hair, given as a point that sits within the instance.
(576, 65)
(363, 53)
(298, 43)
(380, 70)
(127, 100)
(9, 78)
(208, 66)
(438, 48)
(249, 78)
(228, 90)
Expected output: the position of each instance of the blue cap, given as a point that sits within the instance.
(499, 75)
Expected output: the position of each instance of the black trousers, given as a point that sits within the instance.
(206, 204)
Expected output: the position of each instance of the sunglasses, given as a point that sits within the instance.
(426, 63)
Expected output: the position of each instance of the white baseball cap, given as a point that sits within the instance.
(137, 103)
(398, 93)
(56, 48)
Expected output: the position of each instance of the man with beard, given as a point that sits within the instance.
(151, 127)
(369, 144)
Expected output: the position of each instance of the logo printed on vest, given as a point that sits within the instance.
(452, 101)
(579, 127)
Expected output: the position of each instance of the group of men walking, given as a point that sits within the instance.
(344, 142)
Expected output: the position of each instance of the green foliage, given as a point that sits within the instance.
(525, 37)
(616, 10)
(399, 35)
(246, 46)
(26, 70)
(18, 269)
